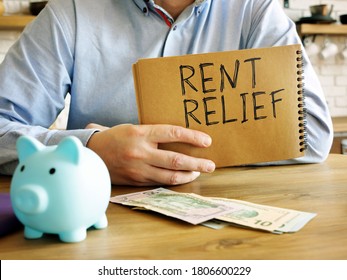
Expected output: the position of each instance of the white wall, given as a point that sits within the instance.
(332, 72)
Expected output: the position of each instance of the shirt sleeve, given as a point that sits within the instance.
(32, 92)
(271, 27)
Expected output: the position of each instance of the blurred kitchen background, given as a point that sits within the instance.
(331, 69)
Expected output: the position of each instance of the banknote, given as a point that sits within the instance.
(291, 226)
(263, 217)
(215, 224)
(215, 212)
(296, 223)
(188, 207)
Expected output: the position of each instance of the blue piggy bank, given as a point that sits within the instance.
(63, 189)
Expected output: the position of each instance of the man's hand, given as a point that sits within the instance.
(132, 156)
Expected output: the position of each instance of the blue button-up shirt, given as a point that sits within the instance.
(87, 48)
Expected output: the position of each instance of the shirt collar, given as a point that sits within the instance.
(199, 2)
(142, 4)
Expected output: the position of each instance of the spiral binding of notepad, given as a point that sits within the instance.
(301, 103)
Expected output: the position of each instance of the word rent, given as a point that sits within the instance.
(221, 97)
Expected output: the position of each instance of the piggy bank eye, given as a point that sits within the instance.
(52, 171)
(22, 168)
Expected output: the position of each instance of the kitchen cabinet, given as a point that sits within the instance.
(14, 22)
(340, 133)
(309, 29)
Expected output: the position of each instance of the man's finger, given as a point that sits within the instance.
(172, 133)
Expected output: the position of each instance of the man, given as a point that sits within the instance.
(87, 47)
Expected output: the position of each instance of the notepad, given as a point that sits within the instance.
(251, 102)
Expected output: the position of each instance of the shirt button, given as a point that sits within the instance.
(175, 27)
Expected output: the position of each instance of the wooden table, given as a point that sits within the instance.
(319, 188)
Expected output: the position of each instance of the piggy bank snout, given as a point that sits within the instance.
(30, 199)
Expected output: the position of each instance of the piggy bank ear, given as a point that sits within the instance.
(70, 148)
(26, 146)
